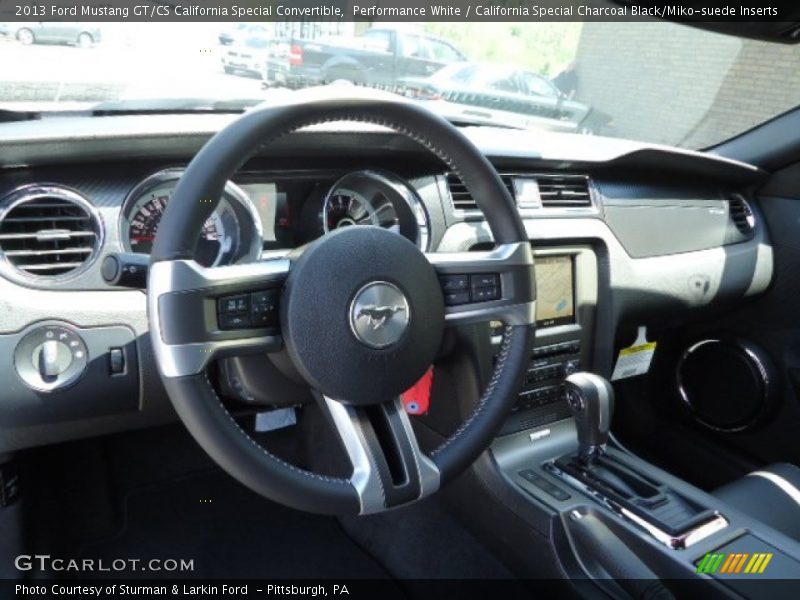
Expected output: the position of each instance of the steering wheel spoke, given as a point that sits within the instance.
(389, 469)
(497, 284)
(205, 313)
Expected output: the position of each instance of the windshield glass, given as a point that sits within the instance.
(649, 81)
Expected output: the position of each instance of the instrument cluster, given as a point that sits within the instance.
(265, 212)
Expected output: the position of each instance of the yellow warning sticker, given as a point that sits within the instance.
(635, 360)
(648, 347)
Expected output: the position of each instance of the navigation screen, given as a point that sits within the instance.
(555, 304)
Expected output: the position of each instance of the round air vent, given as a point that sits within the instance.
(48, 232)
(741, 214)
(727, 384)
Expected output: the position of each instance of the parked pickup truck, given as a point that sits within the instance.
(381, 57)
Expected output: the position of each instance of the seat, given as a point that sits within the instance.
(771, 495)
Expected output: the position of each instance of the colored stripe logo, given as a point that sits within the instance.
(734, 562)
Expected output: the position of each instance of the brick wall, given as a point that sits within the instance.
(673, 84)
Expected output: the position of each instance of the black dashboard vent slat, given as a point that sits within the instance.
(555, 190)
(48, 231)
(741, 214)
(462, 199)
(508, 181)
(567, 191)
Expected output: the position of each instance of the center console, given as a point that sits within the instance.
(613, 518)
(622, 521)
(566, 282)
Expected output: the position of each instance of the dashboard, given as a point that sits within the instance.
(52, 233)
(622, 234)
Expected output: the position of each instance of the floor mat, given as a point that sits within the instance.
(423, 541)
(230, 532)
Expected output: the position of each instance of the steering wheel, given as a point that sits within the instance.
(383, 320)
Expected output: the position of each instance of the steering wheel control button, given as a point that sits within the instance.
(485, 294)
(244, 311)
(485, 280)
(485, 287)
(234, 312)
(379, 314)
(454, 283)
(465, 289)
(51, 357)
(454, 298)
(264, 308)
(234, 321)
(234, 304)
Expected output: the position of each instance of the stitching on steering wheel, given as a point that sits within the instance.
(487, 393)
(383, 122)
(298, 470)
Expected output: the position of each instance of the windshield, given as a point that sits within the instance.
(649, 81)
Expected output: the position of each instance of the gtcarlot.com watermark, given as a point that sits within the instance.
(48, 563)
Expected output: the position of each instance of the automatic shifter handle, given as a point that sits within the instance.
(591, 401)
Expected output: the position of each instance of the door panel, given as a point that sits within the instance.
(651, 413)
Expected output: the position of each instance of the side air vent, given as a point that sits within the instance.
(741, 214)
(48, 231)
(554, 190)
(567, 191)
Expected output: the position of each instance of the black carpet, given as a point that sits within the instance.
(230, 532)
(423, 541)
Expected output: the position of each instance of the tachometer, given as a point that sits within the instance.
(232, 232)
(348, 207)
(375, 198)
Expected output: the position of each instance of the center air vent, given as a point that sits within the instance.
(462, 199)
(48, 231)
(741, 214)
(567, 191)
(554, 190)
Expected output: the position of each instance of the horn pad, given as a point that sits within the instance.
(362, 315)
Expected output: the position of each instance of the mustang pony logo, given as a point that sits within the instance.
(378, 315)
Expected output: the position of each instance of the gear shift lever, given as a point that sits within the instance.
(591, 401)
(615, 478)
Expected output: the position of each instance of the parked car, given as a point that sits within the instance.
(381, 57)
(248, 56)
(84, 35)
(230, 36)
(505, 94)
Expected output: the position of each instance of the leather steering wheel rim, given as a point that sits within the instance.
(190, 390)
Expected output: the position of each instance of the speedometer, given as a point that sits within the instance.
(146, 214)
(232, 232)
